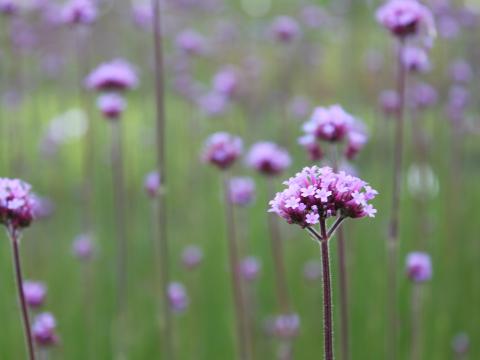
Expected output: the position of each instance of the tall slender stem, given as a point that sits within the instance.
(276, 245)
(120, 218)
(392, 244)
(19, 280)
(416, 322)
(327, 295)
(238, 298)
(167, 331)
(342, 271)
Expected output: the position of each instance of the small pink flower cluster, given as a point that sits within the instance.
(35, 293)
(318, 193)
(222, 149)
(268, 158)
(419, 266)
(405, 17)
(333, 124)
(44, 329)
(177, 296)
(16, 203)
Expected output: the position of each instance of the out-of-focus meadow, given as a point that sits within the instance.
(341, 55)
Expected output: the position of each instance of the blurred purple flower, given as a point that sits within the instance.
(242, 191)
(222, 149)
(299, 107)
(285, 29)
(268, 158)
(152, 184)
(35, 293)
(313, 16)
(424, 95)
(250, 268)
(79, 12)
(311, 145)
(42, 207)
(312, 270)
(142, 15)
(111, 105)
(9, 7)
(286, 326)
(406, 18)
(116, 75)
(415, 59)
(460, 71)
(329, 123)
(83, 247)
(356, 140)
(213, 103)
(177, 296)
(192, 256)
(44, 330)
(461, 344)
(419, 266)
(389, 102)
(227, 82)
(190, 42)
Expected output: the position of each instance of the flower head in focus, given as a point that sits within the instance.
(17, 204)
(319, 193)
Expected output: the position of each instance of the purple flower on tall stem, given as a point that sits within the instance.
(16, 213)
(329, 123)
(221, 150)
(82, 247)
(311, 197)
(44, 330)
(242, 191)
(35, 293)
(285, 29)
(389, 102)
(419, 267)
(404, 19)
(415, 59)
(424, 96)
(250, 268)
(227, 82)
(190, 42)
(152, 184)
(142, 16)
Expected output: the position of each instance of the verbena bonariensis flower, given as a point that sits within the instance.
(250, 268)
(111, 105)
(116, 75)
(419, 266)
(285, 29)
(389, 102)
(192, 256)
(319, 193)
(461, 71)
(9, 7)
(83, 247)
(42, 207)
(190, 42)
(415, 59)
(35, 293)
(44, 330)
(406, 18)
(329, 123)
(152, 184)
(16, 204)
(311, 145)
(424, 95)
(227, 81)
(356, 140)
(177, 296)
(222, 149)
(142, 15)
(286, 326)
(268, 158)
(213, 103)
(241, 191)
(79, 12)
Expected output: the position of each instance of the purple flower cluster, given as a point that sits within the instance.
(177, 296)
(190, 42)
(112, 105)
(389, 102)
(79, 12)
(16, 203)
(286, 326)
(35, 293)
(222, 149)
(242, 191)
(415, 59)
(310, 144)
(250, 268)
(83, 247)
(44, 330)
(9, 7)
(329, 123)
(318, 193)
(268, 158)
(152, 183)
(285, 29)
(192, 256)
(405, 17)
(419, 266)
(117, 75)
